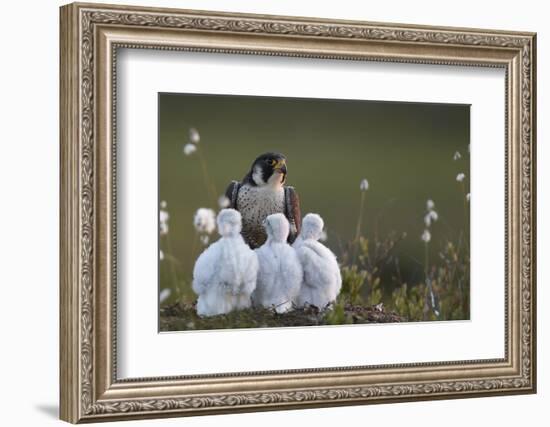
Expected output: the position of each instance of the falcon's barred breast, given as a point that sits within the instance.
(261, 193)
(256, 204)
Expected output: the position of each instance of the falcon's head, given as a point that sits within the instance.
(267, 169)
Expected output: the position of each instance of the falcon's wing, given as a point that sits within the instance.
(231, 193)
(293, 213)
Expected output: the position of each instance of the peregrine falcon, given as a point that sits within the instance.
(261, 193)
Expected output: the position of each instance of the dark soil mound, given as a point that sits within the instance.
(183, 317)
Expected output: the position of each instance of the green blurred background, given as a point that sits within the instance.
(404, 150)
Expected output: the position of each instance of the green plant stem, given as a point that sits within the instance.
(172, 264)
(466, 215)
(427, 272)
(426, 259)
(194, 246)
(358, 229)
(209, 184)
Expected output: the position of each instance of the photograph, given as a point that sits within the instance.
(293, 212)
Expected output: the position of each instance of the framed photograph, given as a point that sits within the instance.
(265, 212)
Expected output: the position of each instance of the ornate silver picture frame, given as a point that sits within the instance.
(91, 35)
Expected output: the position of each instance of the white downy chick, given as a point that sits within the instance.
(224, 275)
(280, 273)
(322, 280)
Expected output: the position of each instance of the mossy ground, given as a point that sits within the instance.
(183, 317)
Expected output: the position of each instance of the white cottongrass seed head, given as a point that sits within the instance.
(426, 236)
(194, 136)
(163, 204)
(468, 197)
(161, 255)
(189, 149)
(364, 186)
(164, 216)
(205, 220)
(431, 215)
(224, 202)
(164, 294)
(457, 156)
(460, 177)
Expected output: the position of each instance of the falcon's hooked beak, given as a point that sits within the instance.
(281, 167)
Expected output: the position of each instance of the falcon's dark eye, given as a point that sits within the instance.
(271, 162)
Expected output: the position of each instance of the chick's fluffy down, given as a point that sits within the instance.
(224, 275)
(322, 279)
(280, 273)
